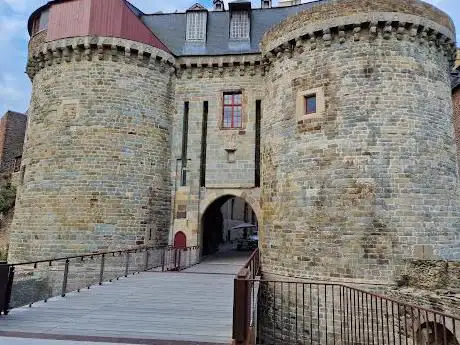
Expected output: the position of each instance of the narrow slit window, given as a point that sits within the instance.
(233, 110)
(310, 104)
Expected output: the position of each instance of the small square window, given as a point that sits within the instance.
(310, 104)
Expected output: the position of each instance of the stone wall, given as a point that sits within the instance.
(206, 79)
(456, 103)
(342, 9)
(432, 284)
(95, 171)
(370, 179)
(12, 132)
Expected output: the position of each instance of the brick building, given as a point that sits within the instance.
(332, 120)
(12, 132)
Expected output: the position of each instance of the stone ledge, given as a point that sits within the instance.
(386, 25)
(238, 65)
(340, 8)
(101, 48)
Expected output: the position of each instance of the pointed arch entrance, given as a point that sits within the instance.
(219, 217)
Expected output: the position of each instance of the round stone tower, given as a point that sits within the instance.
(358, 151)
(95, 173)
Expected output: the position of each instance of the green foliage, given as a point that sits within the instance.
(7, 198)
(4, 254)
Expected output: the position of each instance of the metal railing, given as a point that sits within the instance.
(245, 299)
(30, 282)
(270, 312)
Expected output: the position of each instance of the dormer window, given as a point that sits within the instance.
(40, 22)
(240, 25)
(197, 17)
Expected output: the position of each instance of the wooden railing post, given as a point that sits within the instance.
(241, 307)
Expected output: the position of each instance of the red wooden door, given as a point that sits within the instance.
(180, 240)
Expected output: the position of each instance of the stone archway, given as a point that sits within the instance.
(212, 220)
(252, 197)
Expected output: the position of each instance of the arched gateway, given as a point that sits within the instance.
(220, 217)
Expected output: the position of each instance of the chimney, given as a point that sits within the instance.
(218, 5)
(266, 4)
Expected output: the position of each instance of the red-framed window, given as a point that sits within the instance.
(310, 104)
(233, 110)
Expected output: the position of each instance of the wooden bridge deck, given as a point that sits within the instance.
(191, 307)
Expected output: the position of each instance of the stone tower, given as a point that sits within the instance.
(95, 172)
(358, 155)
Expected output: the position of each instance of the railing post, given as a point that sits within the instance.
(179, 259)
(64, 280)
(241, 307)
(9, 290)
(127, 264)
(101, 273)
(163, 259)
(7, 275)
(146, 259)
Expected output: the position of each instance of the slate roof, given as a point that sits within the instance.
(171, 28)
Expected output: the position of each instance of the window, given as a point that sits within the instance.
(310, 104)
(40, 22)
(196, 25)
(35, 25)
(239, 27)
(232, 110)
(17, 163)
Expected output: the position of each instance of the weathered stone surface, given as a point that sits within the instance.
(96, 159)
(456, 103)
(350, 8)
(376, 178)
(207, 81)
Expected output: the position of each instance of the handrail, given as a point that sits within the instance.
(95, 254)
(244, 294)
(321, 310)
(124, 263)
(89, 255)
(252, 264)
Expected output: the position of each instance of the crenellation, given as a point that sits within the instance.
(103, 48)
(346, 103)
(401, 30)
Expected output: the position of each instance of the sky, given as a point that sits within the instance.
(15, 86)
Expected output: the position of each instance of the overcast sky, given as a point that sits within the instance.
(15, 86)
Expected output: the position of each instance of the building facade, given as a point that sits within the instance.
(332, 120)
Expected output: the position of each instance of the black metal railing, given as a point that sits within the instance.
(30, 282)
(301, 313)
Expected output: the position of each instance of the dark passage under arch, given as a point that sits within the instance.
(218, 220)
